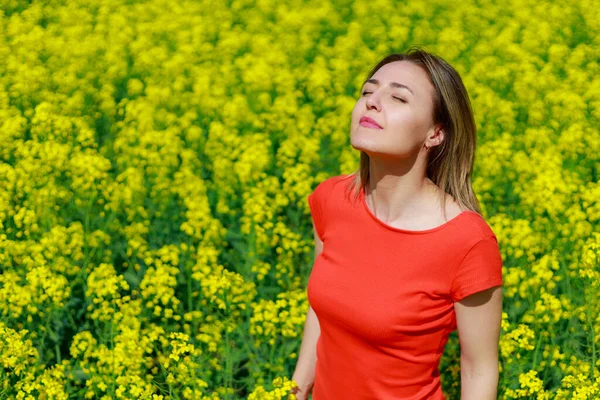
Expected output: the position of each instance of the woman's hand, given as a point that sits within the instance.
(301, 394)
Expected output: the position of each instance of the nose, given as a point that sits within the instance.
(373, 102)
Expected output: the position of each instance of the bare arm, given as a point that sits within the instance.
(479, 319)
(304, 374)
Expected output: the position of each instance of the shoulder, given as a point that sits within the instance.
(326, 186)
(470, 229)
(333, 180)
(323, 200)
(477, 224)
(476, 238)
(470, 224)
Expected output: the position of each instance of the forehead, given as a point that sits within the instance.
(406, 73)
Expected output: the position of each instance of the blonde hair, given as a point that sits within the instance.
(449, 164)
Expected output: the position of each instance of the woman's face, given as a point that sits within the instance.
(399, 97)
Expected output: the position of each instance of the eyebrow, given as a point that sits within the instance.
(392, 84)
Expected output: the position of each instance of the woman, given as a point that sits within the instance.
(403, 256)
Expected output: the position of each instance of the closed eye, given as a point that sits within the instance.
(397, 98)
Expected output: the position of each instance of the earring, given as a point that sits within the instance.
(426, 148)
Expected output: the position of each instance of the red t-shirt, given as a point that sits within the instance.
(384, 296)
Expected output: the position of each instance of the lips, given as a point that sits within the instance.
(369, 123)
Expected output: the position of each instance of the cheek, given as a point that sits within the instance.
(408, 121)
(356, 114)
(355, 110)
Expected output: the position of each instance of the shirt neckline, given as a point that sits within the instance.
(408, 231)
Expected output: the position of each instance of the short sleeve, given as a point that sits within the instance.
(480, 269)
(315, 202)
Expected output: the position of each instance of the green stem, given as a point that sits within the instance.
(57, 351)
(536, 351)
(189, 291)
(591, 327)
(112, 349)
(226, 379)
(72, 321)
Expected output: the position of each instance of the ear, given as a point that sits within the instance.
(438, 135)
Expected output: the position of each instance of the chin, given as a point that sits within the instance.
(362, 143)
(364, 137)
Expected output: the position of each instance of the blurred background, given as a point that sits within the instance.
(155, 159)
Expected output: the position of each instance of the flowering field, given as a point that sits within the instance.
(155, 159)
